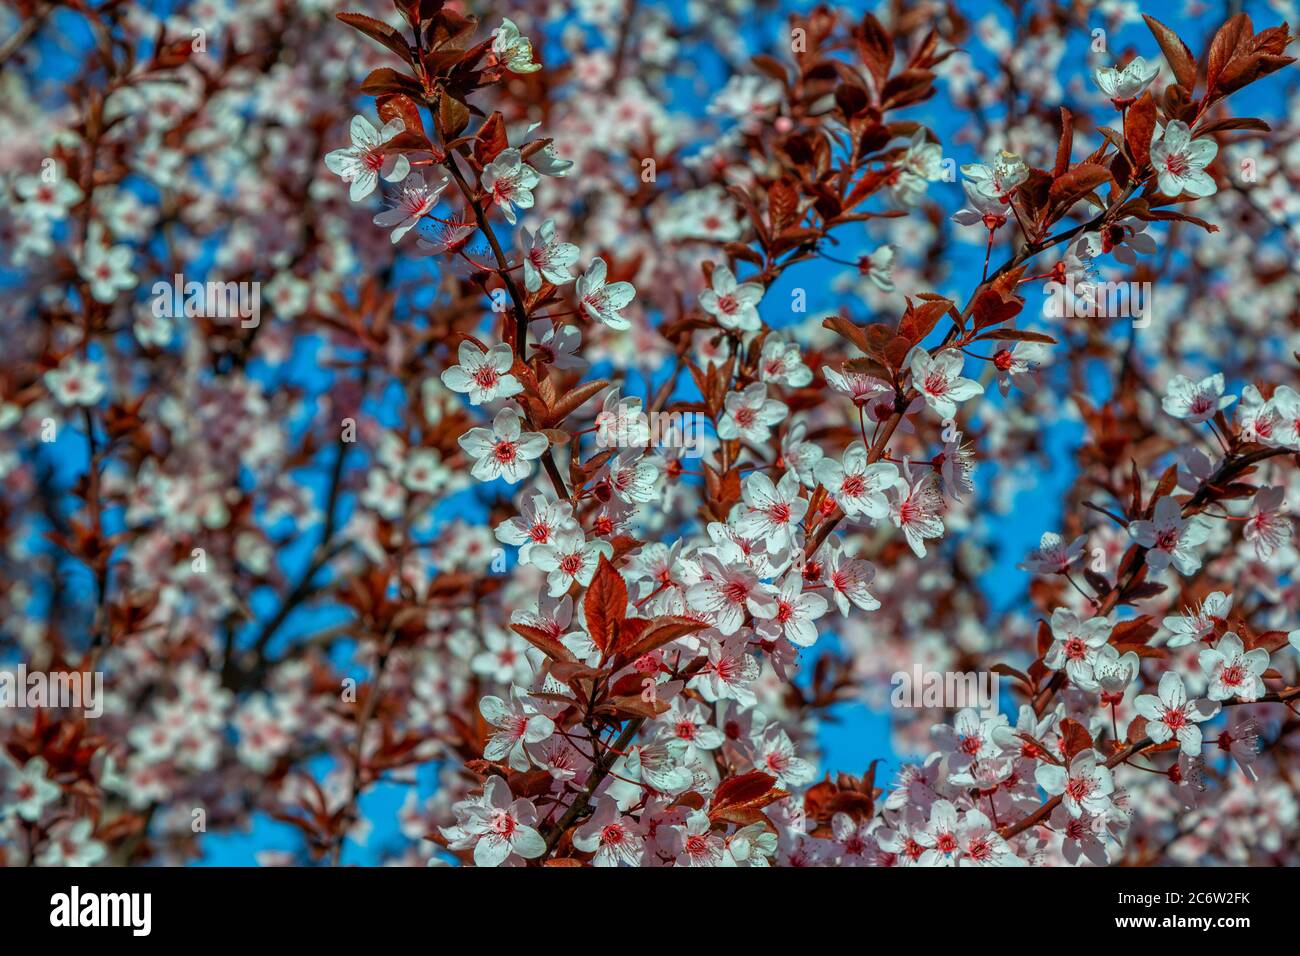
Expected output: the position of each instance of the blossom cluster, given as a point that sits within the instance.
(495, 238)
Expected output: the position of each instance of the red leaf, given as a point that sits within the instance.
(1076, 738)
(491, 139)
(1066, 144)
(1077, 183)
(1230, 38)
(1176, 53)
(378, 31)
(745, 790)
(917, 322)
(660, 631)
(605, 605)
(1139, 125)
(548, 645)
(876, 49)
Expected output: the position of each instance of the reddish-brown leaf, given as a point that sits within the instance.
(782, 204)
(1139, 125)
(1077, 183)
(544, 642)
(491, 139)
(573, 399)
(380, 32)
(660, 631)
(605, 605)
(1178, 56)
(1065, 146)
(1230, 39)
(1075, 737)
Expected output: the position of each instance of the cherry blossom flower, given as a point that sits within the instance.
(415, 200)
(801, 456)
(849, 580)
(956, 464)
(915, 505)
(424, 471)
(1241, 741)
(981, 208)
(1171, 539)
(517, 723)
(1000, 180)
(548, 162)
(28, 789)
(106, 269)
(569, 557)
(878, 267)
(1267, 527)
(1123, 87)
(729, 673)
(979, 844)
(939, 837)
(1016, 366)
(781, 363)
(1081, 838)
(697, 845)
(546, 257)
(1286, 402)
(361, 164)
(1170, 715)
(750, 415)
(48, 197)
(860, 387)
(793, 613)
(504, 451)
(734, 305)
(1114, 672)
(602, 302)
(776, 756)
(1075, 645)
(1259, 419)
(498, 830)
(76, 382)
(775, 510)
(940, 382)
(1198, 623)
(448, 237)
(1233, 671)
(856, 486)
(537, 523)
(509, 182)
(71, 843)
(557, 347)
(1084, 788)
(690, 730)
(1053, 555)
(512, 49)
(614, 839)
(654, 764)
(483, 376)
(920, 163)
(1196, 401)
(753, 845)
(969, 739)
(1180, 161)
(1125, 238)
(729, 590)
